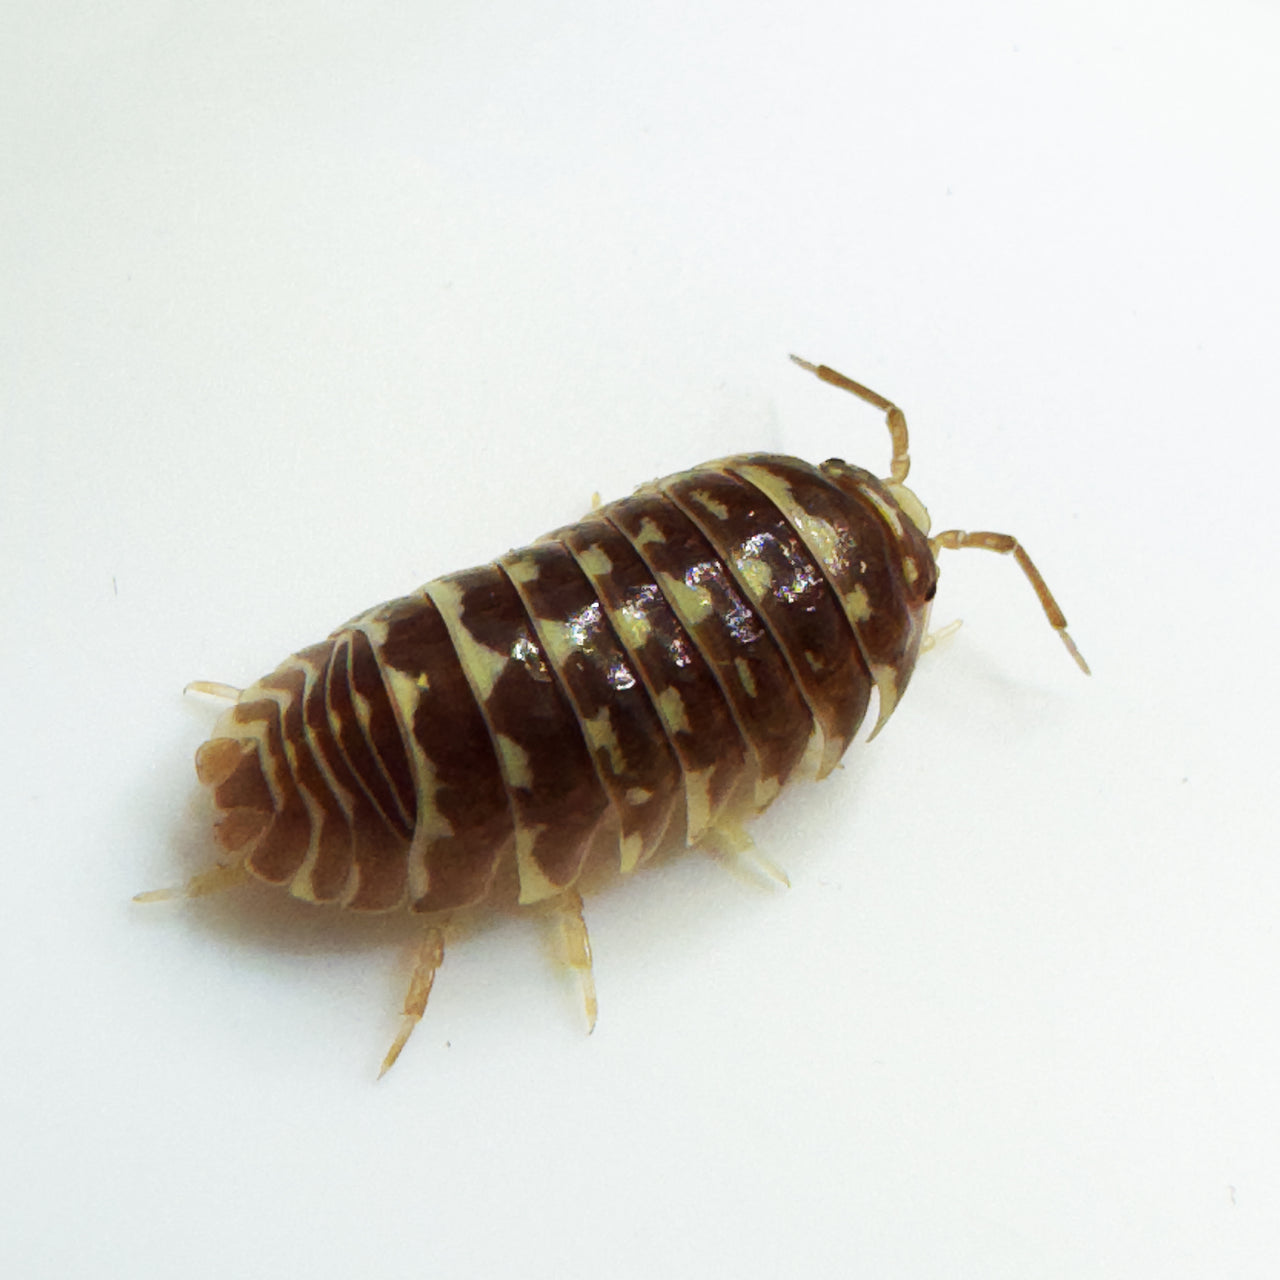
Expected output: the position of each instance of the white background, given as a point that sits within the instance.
(303, 304)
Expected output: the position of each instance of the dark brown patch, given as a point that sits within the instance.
(244, 787)
(235, 829)
(381, 868)
(216, 760)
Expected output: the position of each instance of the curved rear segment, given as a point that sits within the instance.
(361, 771)
(301, 787)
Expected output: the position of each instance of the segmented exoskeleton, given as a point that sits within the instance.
(654, 674)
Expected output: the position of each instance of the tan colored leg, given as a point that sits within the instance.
(941, 636)
(214, 690)
(575, 949)
(762, 868)
(734, 849)
(212, 881)
(430, 956)
(1007, 544)
(894, 416)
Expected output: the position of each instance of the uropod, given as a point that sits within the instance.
(647, 678)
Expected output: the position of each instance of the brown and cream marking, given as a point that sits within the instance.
(650, 676)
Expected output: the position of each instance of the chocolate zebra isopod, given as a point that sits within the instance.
(649, 677)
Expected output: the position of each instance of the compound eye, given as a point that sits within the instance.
(933, 591)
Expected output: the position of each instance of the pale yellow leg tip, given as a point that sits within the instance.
(737, 853)
(575, 952)
(430, 957)
(1075, 653)
(398, 1044)
(213, 690)
(768, 868)
(212, 881)
(158, 895)
(941, 635)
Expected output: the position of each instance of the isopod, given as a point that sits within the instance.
(651, 676)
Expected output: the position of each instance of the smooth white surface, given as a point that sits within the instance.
(306, 303)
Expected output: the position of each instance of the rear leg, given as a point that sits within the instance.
(941, 635)
(428, 960)
(213, 690)
(214, 880)
(216, 760)
(573, 949)
(734, 849)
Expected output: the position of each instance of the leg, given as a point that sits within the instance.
(214, 880)
(894, 416)
(430, 954)
(213, 690)
(575, 949)
(1007, 544)
(941, 636)
(735, 850)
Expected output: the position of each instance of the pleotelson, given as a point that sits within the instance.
(655, 673)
